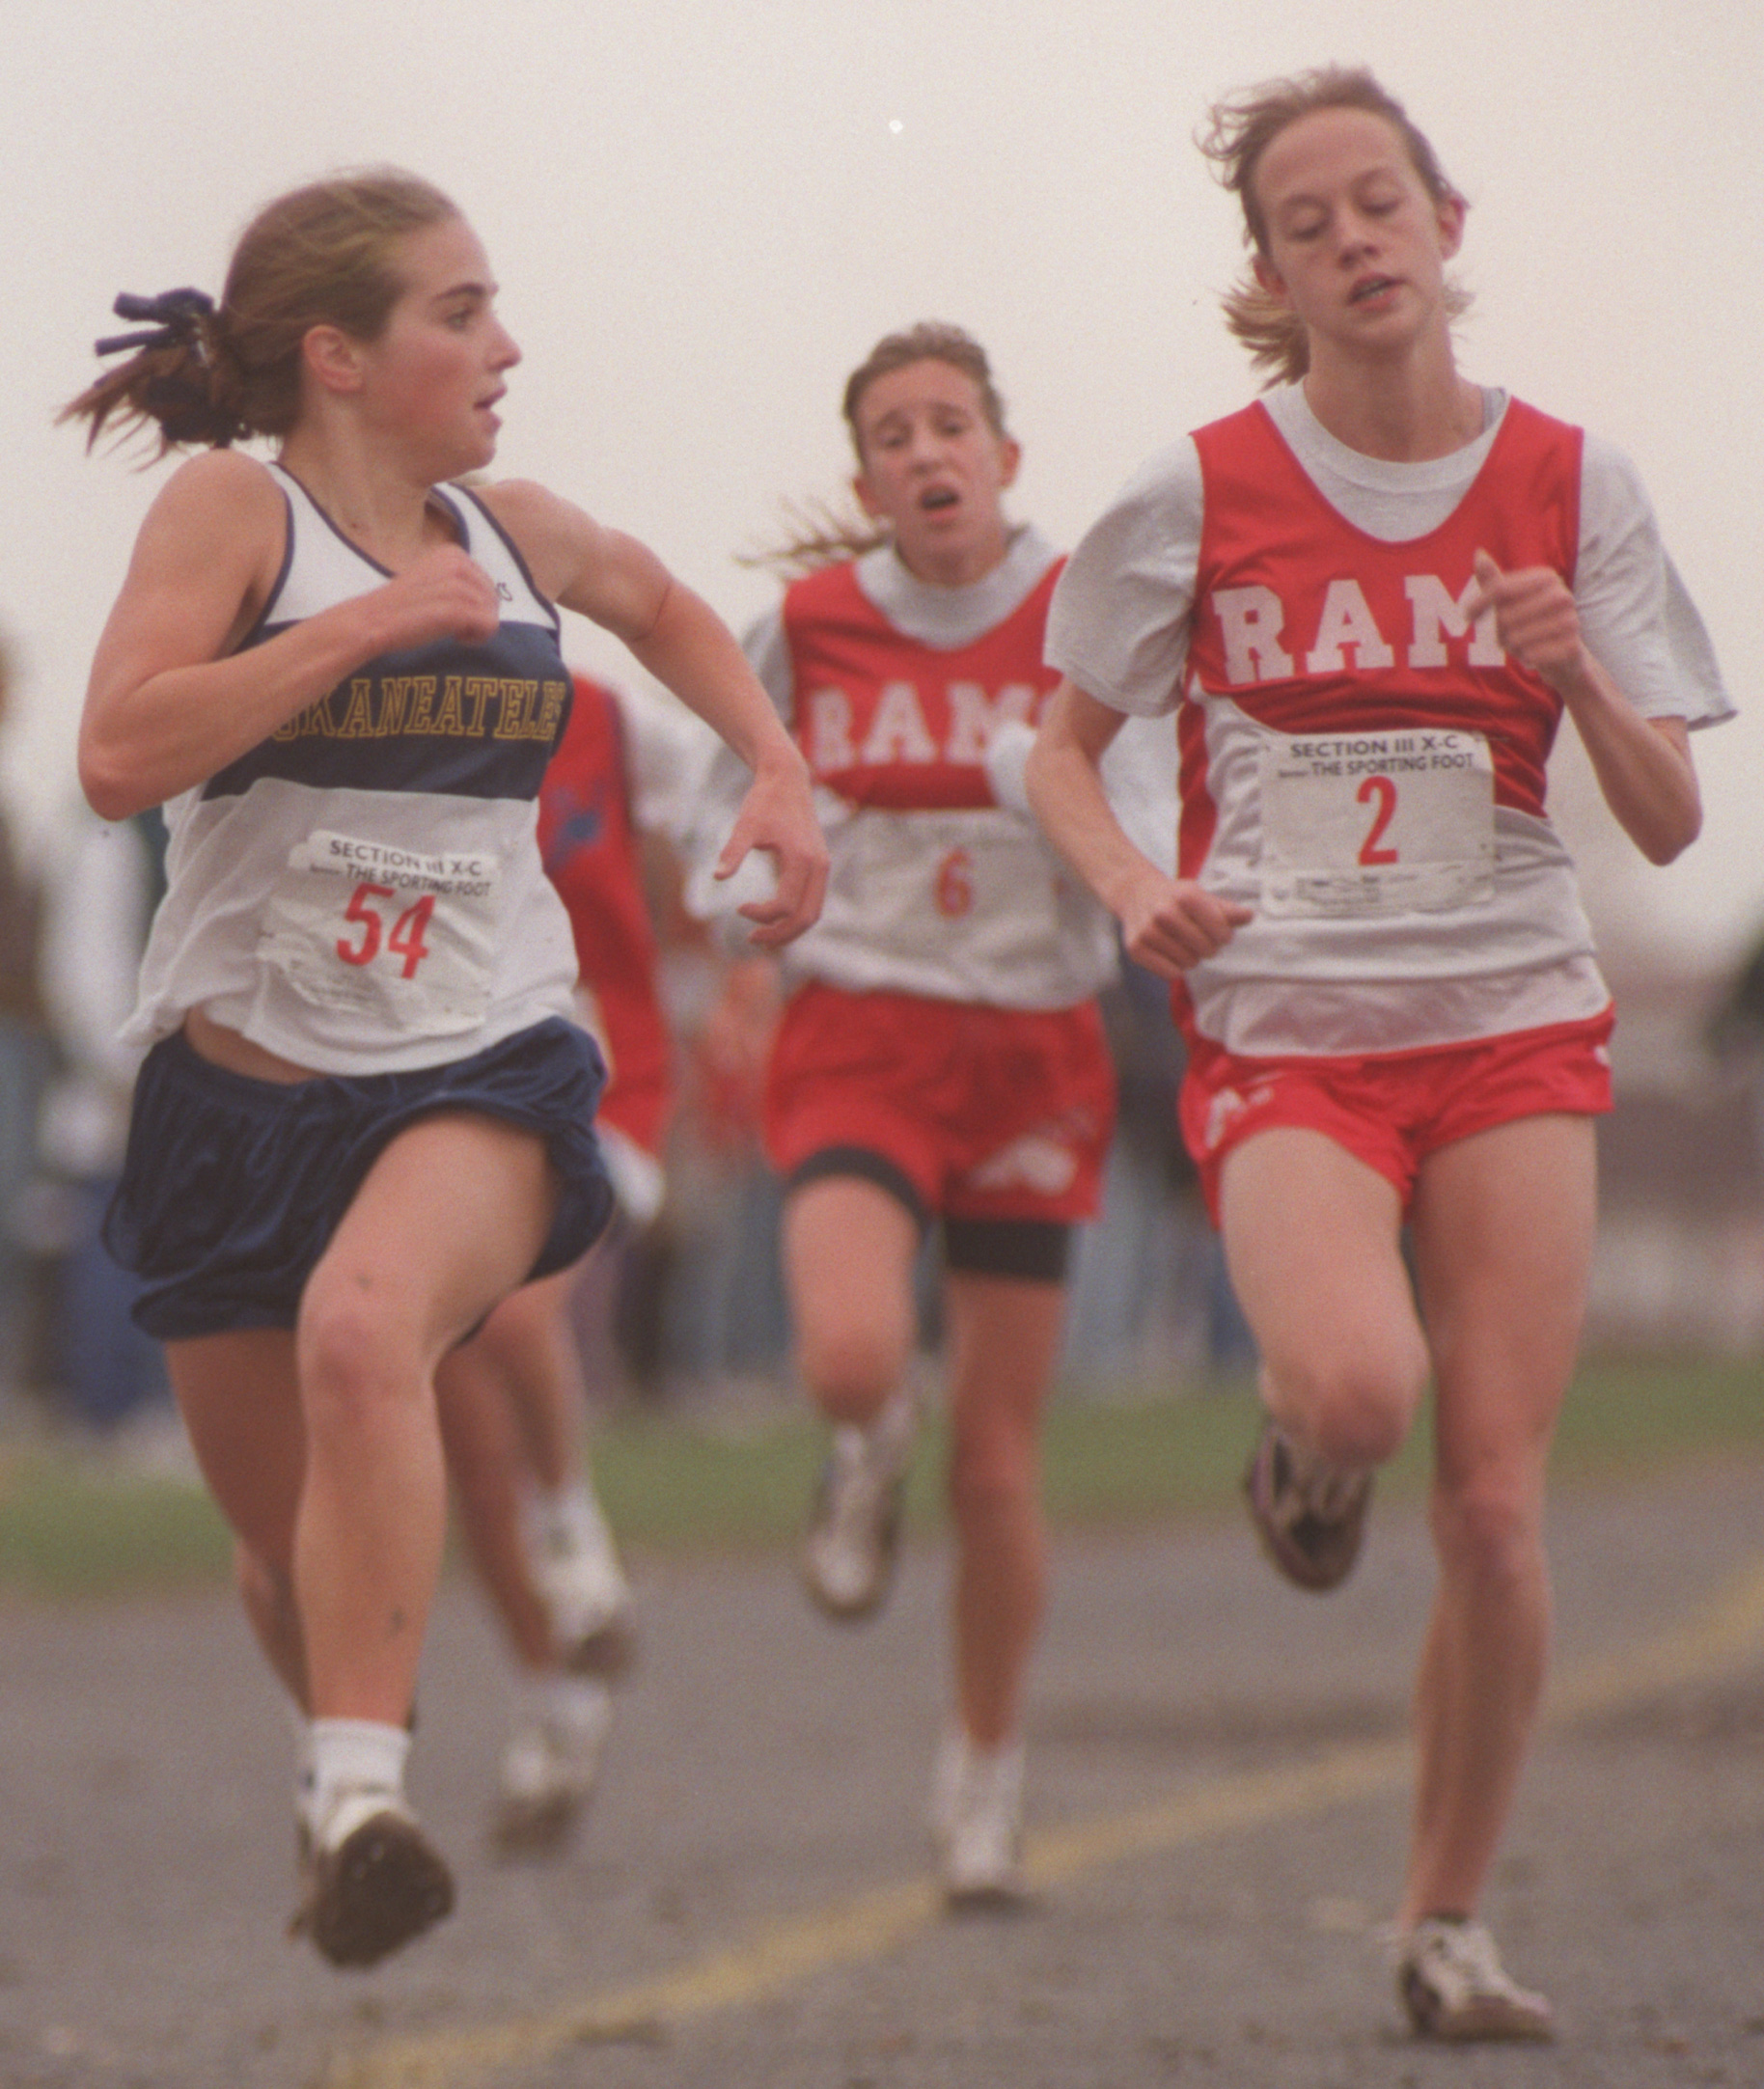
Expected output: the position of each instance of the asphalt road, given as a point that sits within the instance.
(1219, 1787)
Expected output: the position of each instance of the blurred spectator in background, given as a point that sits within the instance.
(1736, 1030)
(103, 883)
(1151, 1287)
(718, 1287)
(24, 1054)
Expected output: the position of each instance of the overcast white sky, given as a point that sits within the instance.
(702, 214)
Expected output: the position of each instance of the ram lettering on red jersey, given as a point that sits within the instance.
(910, 724)
(1311, 625)
(1252, 622)
(914, 741)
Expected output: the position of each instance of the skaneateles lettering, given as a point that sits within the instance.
(900, 725)
(1253, 625)
(451, 707)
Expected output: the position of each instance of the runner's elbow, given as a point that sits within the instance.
(112, 787)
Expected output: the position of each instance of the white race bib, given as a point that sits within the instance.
(924, 873)
(404, 937)
(1375, 823)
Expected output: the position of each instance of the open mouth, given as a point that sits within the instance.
(1372, 287)
(937, 498)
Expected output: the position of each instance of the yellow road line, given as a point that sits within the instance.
(1725, 1633)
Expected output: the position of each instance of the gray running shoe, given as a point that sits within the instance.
(1311, 1526)
(548, 1773)
(853, 1541)
(589, 1602)
(372, 1880)
(1455, 1989)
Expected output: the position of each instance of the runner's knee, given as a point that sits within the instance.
(990, 1467)
(1488, 1528)
(1354, 1402)
(851, 1369)
(356, 1353)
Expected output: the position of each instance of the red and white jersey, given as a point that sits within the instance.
(893, 689)
(1360, 762)
(588, 843)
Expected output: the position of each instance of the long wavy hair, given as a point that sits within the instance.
(1237, 132)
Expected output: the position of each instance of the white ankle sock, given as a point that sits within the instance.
(355, 1755)
(961, 1768)
(568, 1518)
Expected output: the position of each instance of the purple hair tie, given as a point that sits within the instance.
(173, 314)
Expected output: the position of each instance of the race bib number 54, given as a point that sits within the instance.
(401, 939)
(1375, 823)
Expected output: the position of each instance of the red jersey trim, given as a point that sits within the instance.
(887, 721)
(1309, 624)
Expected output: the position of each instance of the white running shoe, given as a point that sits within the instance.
(1454, 1987)
(853, 1540)
(370, 1880)
(584, 1590)
(977, 1824)
(548, 1771)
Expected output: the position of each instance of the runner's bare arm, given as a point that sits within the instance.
(616, 581)
(1167, 924)
(169, 701)
(1643, 765)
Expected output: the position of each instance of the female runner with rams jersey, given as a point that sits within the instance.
(940, 1055)
(514, 1400)
(366, 1115)
(1368, 598)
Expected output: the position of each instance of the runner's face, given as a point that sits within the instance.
(435, 373)
(934, 469)
(1356, 244)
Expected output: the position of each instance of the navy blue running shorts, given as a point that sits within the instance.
(231, 1187)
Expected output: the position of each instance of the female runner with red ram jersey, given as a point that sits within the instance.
(940, 1055)
(514, 1400)
(1368, 598)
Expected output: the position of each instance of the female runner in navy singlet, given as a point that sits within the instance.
(1369, 599)
(366, 1115)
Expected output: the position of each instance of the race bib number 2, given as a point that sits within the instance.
(1376, 823)
(401, 939)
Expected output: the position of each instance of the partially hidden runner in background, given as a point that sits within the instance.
(1368, 598)
(940, 1055)
(513, 1399)
(367, 1114)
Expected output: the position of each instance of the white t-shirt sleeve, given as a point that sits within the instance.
(723, 781)
(1636, 614)
(1120, 620)
(768, 654)
(668, 750)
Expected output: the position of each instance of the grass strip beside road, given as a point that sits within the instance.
(73, 1524)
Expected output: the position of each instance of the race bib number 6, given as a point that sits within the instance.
(1375, 823)
(403, 938)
